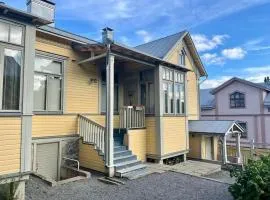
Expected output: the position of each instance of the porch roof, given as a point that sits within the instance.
(125, 52)
(215, 127)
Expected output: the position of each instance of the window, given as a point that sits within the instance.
(10, 79)
(173, 92)
(237, 100)
(104, 92)
(148, 91)
(48, 82)
(268, 109)
(244, 126)
(182, 57)
(11, 33)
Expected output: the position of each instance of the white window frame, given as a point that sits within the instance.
(4, 46)
(172, 80)
(61, 60)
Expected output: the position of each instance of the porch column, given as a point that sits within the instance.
(238, 148)
(109, 114)
(225, 159)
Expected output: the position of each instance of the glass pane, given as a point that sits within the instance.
(11, 80)
(177, 98)
(165, 91)
(39, 92)
(16, 33)
(47, 66)
(54, 93)
(182, 98)
(170, 89)
(4, 29)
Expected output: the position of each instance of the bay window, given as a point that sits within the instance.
(48, 83)
(173, 91)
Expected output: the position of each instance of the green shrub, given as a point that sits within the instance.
(253, 181)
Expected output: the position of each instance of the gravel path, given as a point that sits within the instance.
(169, 185)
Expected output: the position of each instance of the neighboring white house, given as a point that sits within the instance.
(244, 101)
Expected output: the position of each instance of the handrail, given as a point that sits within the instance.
(132, 117)
(78, 163)
(91, 132)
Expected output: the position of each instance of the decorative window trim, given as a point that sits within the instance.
(62, 60)
(246, 131)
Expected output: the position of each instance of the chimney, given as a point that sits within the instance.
(107, 35)
(42, 8)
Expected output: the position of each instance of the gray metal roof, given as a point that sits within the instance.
(67, 35)
(207, 100)
(160, 47)
(212, 126)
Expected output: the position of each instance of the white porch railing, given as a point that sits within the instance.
(132, 117)
(92, 133)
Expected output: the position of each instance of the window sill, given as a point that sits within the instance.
(48, 113)
(174, 115)
(10, 114)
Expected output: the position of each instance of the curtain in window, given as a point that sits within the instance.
(11, 80)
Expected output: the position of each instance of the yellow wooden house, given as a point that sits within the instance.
(100, 105)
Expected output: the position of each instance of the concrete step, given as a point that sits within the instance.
(139, 173)
(122, 153)
(124, 159)
(126, 164)
(127, 170)
(119, 148)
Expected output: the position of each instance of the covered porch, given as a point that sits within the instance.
(211, 137)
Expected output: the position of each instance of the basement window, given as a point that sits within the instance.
(48, 84)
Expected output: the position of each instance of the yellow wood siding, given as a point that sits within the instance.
(54, 125)
(136, 142)
(90, 159)
(10, 140)
(151, 136)
(80, 95)
(174, 130)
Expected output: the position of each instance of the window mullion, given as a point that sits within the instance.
(173, 89)
(47, 92)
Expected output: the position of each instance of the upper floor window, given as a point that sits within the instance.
(173, 91)
(237, 100)
(10, 78)
(11, 33)
(182, 57)
(48, 84)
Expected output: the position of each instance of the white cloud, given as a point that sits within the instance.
(213, 59)
(257, 44)
(236, 53)
(145, 35)
(212, 83)
(203, 43)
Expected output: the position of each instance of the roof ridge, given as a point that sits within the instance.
(160, 38)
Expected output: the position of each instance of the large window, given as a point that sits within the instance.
(11, 33)
(48, 82)
(237, 100)
(10, 79)
(182, 57)
(173, 91)
(148, 91)
(104, 92)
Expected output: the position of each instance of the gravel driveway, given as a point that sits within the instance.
(169, 185)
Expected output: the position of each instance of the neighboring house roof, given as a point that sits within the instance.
(161, 47)
(207, 100)
(256, 85)
(20, 15)
(219, 127)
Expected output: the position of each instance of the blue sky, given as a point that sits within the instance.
(232, 36)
